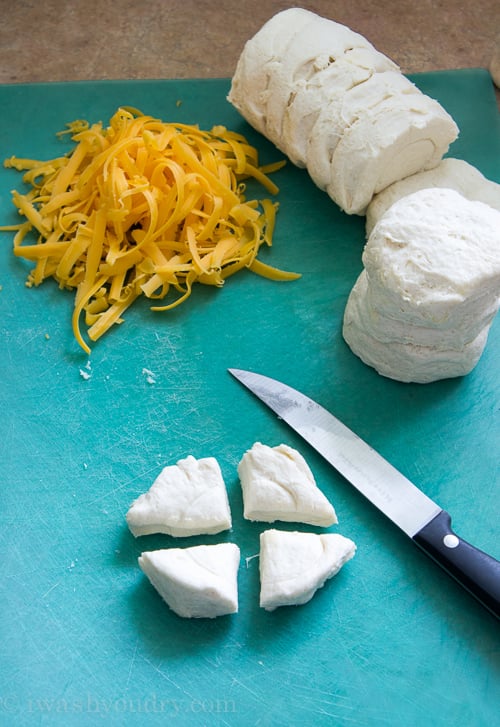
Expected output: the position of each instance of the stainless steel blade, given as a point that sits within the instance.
(380, 482)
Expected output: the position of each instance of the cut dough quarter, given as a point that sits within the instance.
(188, 498)
(278, 484)
(196, 582)
(293, 565)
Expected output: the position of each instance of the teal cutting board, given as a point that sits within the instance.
(84, 638)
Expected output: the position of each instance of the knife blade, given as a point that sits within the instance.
(425, 522)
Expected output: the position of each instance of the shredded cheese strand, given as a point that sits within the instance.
(142, 207)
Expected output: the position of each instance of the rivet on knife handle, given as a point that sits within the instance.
(477, 571)
(391, 492)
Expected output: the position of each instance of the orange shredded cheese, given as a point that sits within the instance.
(142, 207)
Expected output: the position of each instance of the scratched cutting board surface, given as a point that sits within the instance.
(84, 638)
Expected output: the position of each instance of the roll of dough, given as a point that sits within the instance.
(338, 116)
(332, 103)
(311, 96)
(249, 87)
(318, 46)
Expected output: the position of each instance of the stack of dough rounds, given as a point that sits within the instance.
(422, 307)
(335, 105)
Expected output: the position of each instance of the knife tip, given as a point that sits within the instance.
(240, 375)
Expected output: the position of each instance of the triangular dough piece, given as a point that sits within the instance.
(196, 582)
(188, 498)
(277, 484)
(294, 565)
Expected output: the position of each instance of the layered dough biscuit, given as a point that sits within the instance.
(450, 173)
(422, 307)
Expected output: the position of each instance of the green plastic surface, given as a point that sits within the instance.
(84, 638)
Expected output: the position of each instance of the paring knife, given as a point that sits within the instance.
(428, 525)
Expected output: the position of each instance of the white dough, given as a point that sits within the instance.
(342, 111)
(369, 310)
(196, 582)
(188, 498)
(293, 565)
(335, 105)
(434, 250)
(409, 362)
(402, 135)
(277, 484)
(450, 173)
(318, 45)
(255, 64)
(311, 97)
(422, 307)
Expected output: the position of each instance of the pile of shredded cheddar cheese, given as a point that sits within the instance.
(142, 207)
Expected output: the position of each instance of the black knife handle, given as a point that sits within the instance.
(476, 571)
